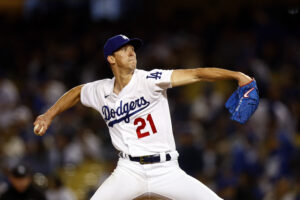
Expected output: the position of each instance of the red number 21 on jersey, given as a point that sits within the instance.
(141, 125)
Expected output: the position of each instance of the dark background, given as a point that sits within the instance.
(49, 46)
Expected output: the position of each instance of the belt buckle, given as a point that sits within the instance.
(142, 161)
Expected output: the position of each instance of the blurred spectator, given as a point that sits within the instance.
(57, 190)
(70, 150)
(105, 9)
(190, 159)
(206, 107)
(283, 190)
(91, 145)
(21, 185)
(9, 99)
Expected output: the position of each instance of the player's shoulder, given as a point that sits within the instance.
(140, 72)
(153, 73)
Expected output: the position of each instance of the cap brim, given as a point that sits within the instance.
(135, 42)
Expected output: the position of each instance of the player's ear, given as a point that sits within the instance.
(111, 59)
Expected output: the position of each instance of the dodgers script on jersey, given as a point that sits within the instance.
(138, 117)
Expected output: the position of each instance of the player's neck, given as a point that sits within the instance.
(122, 78)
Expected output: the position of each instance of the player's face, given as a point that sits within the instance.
(125, 57)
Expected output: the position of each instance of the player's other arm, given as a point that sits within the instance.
(65, 102)
(187, 76)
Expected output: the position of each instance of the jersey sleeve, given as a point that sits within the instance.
(90, 93)
(159, 80)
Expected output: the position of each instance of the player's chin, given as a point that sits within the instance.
(132, 65)
(132, 61)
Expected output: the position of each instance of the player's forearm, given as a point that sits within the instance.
(214, 74)
(68, 100)
(188, 76)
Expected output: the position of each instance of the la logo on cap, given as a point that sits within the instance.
(124, 37)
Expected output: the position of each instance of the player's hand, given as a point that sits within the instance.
(41, 124)
(243, 79)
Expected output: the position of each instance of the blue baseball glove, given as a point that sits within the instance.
(243, 102)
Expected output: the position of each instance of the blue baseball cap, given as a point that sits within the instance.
(116, 42)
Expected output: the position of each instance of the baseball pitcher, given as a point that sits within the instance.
(135, 108)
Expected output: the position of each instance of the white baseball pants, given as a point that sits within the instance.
(131, 179)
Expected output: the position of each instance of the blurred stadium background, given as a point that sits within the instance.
(50, 46)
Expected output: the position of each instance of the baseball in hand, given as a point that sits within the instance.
(36, 127)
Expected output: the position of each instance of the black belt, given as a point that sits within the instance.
(149, 159)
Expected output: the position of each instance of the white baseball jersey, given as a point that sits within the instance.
(138, 117)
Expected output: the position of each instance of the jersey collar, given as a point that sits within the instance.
(126, 89)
